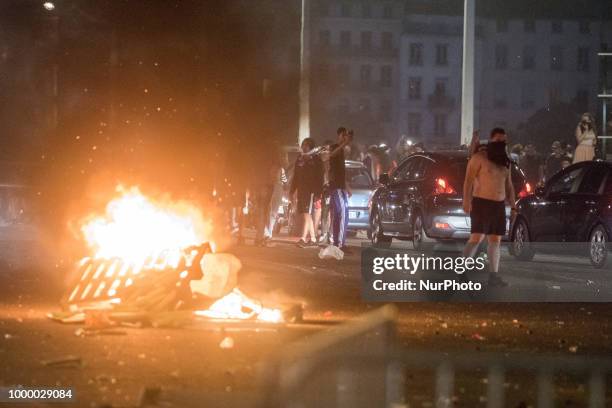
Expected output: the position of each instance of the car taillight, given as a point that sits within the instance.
(527, 190)
(443, 187)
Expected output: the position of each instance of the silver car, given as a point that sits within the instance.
(362, 186)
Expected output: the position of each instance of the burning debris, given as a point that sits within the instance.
(152, 264)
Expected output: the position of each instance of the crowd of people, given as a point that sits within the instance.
(319, 192)
(538, 167)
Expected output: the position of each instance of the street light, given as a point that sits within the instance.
(49, 5)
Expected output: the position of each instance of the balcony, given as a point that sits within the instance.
(440, 101)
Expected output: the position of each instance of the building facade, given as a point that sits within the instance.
(392, 73)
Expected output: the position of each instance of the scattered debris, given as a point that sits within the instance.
(84, 332)
(479, 337)
(68, 361)
(227, 343)
(331, 252)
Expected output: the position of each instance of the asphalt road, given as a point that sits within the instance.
(192, 369)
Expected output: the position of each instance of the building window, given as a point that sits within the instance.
(440, 87)
(385, 76)
(388, 11)
(387, 40)
(324, 38)
(528, 96)
(501, 25)
(386, 111)
(529, 26)
(529, 57)
(414, 89)
(345, 39)
(557, 27)
(416, 54)
(345, 9)
(556, 58)
(583, 59)
(414, 124)
(366, 40)
(365, 76)
(501, 56)
(366, 9)
(442, 54)
(440, 125)
(585, 27)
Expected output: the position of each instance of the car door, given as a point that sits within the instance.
(388, 195)
(581, 207)
(399, 192)
(546, 222)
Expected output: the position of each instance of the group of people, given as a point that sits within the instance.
(319, 190)
(539, 168)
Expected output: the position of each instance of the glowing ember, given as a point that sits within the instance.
(136, 228)
(236, 305)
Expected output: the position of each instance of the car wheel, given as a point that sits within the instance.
(521, 243)
(419, 238)
(598, 247)
(378, 237)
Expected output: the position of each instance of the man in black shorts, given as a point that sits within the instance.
(487, 187)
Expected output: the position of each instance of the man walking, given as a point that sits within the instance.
(338, 189)
(487, 187)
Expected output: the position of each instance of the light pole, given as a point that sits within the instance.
(304, 91)
(53, 18)
(467, 82)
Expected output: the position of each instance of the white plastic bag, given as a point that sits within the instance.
(220, 275)
(331, 252)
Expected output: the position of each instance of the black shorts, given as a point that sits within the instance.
(308, 202)
(488, 217)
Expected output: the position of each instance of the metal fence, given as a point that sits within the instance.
(360, 365)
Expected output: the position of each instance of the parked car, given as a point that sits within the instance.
(422, 199)
(361, 184)
(573, 206)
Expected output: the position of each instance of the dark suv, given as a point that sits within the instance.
(422, 199)
(575, 205)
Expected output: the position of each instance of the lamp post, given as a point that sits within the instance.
(467, 82)
(304, 91)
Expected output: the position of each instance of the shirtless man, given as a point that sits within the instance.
(487, 187)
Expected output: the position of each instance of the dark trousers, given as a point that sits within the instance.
(262, 210)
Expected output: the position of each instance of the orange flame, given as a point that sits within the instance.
(136, 228)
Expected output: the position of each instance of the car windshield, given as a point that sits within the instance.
(358, 177)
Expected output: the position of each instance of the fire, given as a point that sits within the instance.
(135, 228)
(236, 305)
(138, 238)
